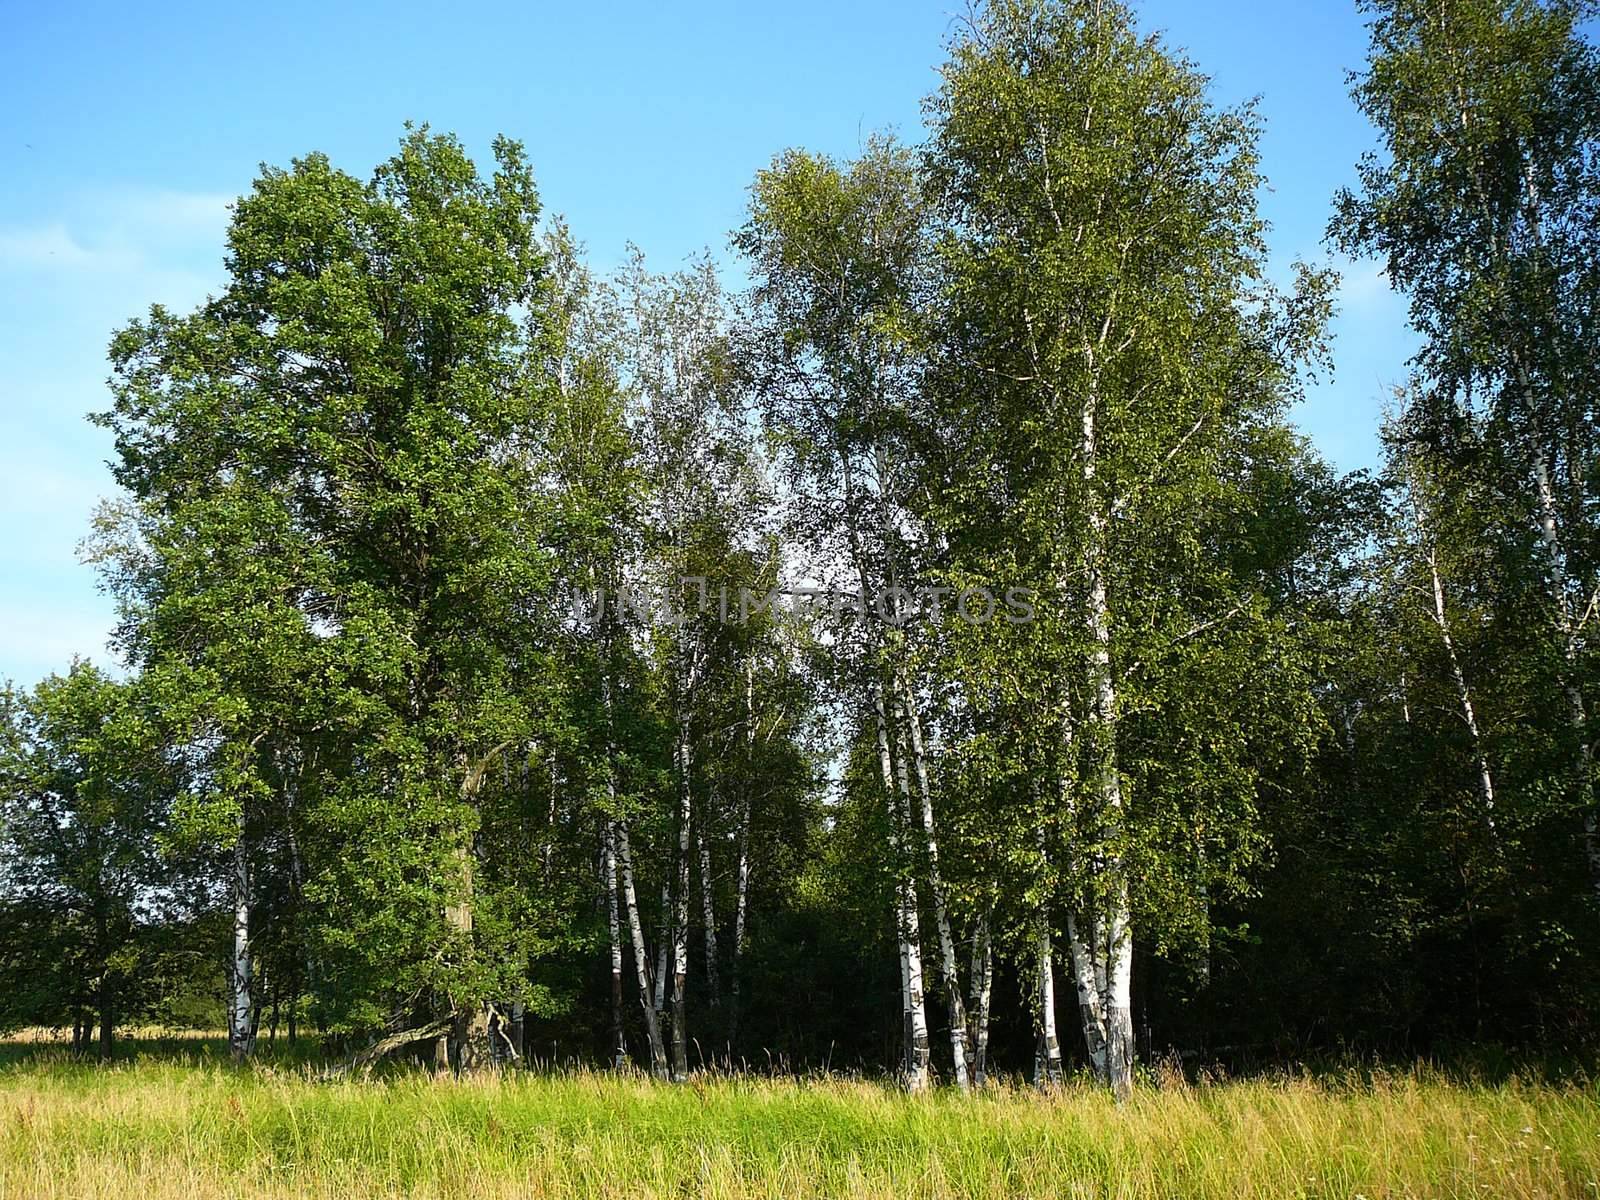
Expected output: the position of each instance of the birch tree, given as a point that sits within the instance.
(841, 262)
(1109, 347)
(1482, 207)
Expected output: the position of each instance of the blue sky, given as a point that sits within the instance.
(129, 127)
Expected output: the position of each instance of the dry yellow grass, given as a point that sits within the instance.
(193, 1128)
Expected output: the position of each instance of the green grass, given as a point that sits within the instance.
(180, 1123)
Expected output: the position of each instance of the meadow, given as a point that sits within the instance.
(174, 1119)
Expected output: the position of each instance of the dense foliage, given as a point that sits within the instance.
(525, 663)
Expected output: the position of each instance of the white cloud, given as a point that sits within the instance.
(167, 217)
(69, 275)
(43, 246)
(120, 233)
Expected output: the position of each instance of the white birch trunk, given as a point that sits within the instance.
(708, 916)
(741, 900)
(240, 972)
(608, 848)
(1087, 978)
(982, 981)
(1047, 1053)
(1463, 693)
(918, 1058)
(623, 848)
(908, 934)
(1116, 921)
(1560, 581)
(941, 912)
(741, 904)
(641, 956)
(741, 897)
(518, 1034)
(1119, 997)
(913, 1010)
(1567, 626)
(550, 822)
(1441, 620)
(680, 918)
(664, 955)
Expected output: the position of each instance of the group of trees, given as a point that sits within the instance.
(521, 661)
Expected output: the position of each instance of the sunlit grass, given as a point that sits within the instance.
(185, 1124)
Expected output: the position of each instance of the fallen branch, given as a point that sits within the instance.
(388, 1045)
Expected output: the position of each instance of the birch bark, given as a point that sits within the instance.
(1568, 627)
(1463, 693)
(624, 853)
(918, 1073)
(1047, 1053)
(740, 907)
(240, 968)
(908, 934)
(1115, 922)
(941, 911)
(608, 854)
(641, 956)
(982, 982)
(708, 916)
(680, 914)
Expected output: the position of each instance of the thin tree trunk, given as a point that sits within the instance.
(680, 916)
(630, 895)
(297, 883)
(1463, 693)
(1047, 1052)
(918, 1048)
(641, 956)
(518, 1036)
(239, 971)
(1115, 922)
(548, 852)
(1566, 624)
(741, 903)
(1088, 977)
(741, 898)
(982, 982)
(1569, 623)
(959, 1049)
(908, 934)
(1441, 620)
(708, 915)
(619, 1041)
(664, 955)
(108, 1015)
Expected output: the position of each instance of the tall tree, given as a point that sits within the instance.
(366, 386)
(840, 255)
(1485, 209)
(1114, 369)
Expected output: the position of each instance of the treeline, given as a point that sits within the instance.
(945, 637)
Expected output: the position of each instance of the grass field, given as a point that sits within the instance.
(175, 1122)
